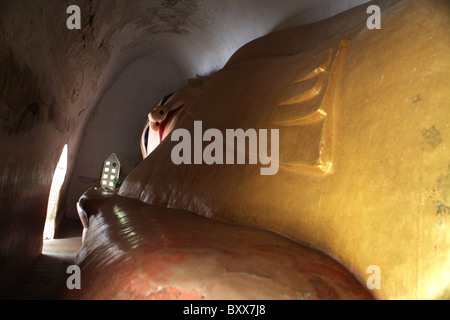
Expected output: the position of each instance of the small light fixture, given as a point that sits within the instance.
(111, 171)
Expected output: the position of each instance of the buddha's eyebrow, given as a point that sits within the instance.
(164, 100)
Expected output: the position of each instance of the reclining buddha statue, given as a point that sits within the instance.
(358, 204)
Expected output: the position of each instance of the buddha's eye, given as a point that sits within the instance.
(161, 112)
(154, 126)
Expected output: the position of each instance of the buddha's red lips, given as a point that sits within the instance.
(166, 122)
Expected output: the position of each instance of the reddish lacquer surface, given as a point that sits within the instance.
(136, 251)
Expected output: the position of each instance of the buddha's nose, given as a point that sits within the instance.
(157, 116)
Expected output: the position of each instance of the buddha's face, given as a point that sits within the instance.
(164, 118)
